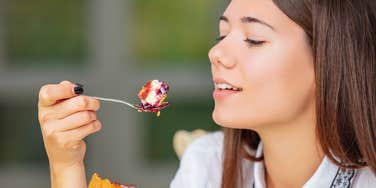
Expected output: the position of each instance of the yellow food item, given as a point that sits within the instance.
(182, 139)
(98, 182)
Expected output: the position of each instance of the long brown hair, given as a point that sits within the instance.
(342, 34)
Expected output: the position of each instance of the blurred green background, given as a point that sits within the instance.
(112, 47)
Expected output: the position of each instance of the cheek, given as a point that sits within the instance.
(278, 85)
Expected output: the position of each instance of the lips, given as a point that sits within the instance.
(225, 89)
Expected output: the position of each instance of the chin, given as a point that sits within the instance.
(239, 118)
(227, 118)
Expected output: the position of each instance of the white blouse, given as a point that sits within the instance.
(201, 167)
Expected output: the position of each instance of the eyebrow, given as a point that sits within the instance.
(248, 19)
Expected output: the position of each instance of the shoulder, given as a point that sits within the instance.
(365, 178)
(201, 163)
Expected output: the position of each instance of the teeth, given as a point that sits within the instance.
(226, 86)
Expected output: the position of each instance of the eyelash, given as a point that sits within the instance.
(250, 42)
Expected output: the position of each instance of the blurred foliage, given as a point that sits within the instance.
(45, 31)
(172, 31)
(186, 115)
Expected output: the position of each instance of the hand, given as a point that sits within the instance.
(66, 119)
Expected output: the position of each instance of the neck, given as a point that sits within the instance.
(291, 152)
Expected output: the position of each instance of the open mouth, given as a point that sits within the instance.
(225, 86)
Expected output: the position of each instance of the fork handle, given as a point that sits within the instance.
(115, 100)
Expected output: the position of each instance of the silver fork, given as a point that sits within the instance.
(116, 101)
(79, 89)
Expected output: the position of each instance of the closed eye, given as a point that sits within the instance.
(252, 42)
(218, 39)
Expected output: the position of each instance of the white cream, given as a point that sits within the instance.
(152, 97)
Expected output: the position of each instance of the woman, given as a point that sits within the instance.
(295, 90)
(305, 73)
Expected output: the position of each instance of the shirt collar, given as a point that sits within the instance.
(323, 176)
(259, 170)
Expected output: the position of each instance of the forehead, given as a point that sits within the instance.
(264, 10)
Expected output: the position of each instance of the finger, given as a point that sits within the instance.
(71, 106)
(73, 121)
(51, 93)
(83, 131)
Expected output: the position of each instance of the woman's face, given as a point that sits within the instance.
(266, 56)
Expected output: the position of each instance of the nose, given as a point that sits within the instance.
(220, 55)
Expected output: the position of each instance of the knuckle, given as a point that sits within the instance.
(44, 92)
(94, 126)
(61, 141)
(99, 125)
(86, 116)
(94, 116)
(65, 82)
(43, 118)
(73, 145)
(82, 102)
(97, 104)
(49, 130)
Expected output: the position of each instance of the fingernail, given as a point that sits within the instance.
(78, 89)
